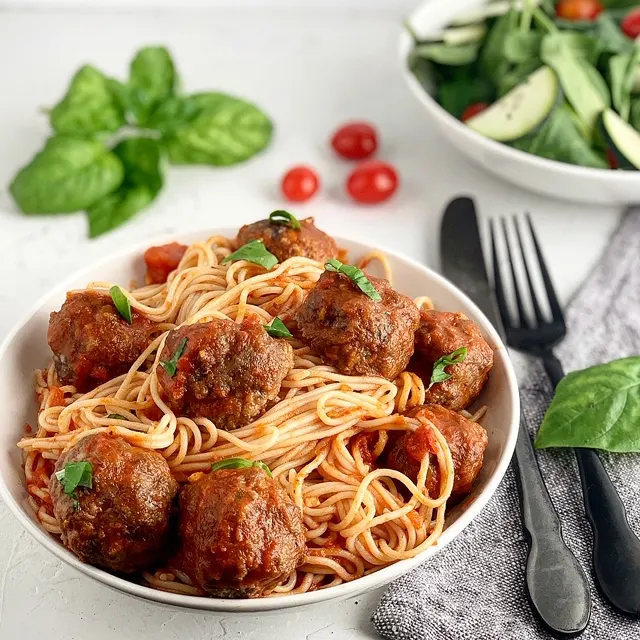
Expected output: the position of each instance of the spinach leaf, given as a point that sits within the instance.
(520, 47)
(456, 95)
(577, 81)
(492, 61)
(152, 80)
(559, 139)
(516, 75)
(634, 118)
(610, 36)
(622, 70)
(451, 55)
(89, 106)
(142, 182)
(215, 129)
(67, 175)
(597, 408)
(597, 81)
(583, 46)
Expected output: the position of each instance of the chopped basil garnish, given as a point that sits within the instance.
(439, 374)
(115, 416)
(240, 463)
(356, 275)
(285, 218)
(277, 329)
(121, 303)
(255, 252)
(74, 475)
(170, 366)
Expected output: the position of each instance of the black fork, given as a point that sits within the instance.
(616, 549)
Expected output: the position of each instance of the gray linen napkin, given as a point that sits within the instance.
(474, 590)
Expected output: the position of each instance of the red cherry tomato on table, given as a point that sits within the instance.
(300, 183)
(631, 23)
(578, 9)
(355, 141)
(473, 110)
(372, 182)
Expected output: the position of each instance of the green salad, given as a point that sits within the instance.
(558, 80)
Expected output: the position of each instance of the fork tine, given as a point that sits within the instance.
(522, 316)
(497, 281)
(556, 309)
(534, 299)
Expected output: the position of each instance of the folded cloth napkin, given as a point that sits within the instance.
(474, 590)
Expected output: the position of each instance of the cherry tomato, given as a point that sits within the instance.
(300, 183)
(355, 141)
(473, 110)
(631, 23)
(372, 182)
(613, 161)
(578, 9)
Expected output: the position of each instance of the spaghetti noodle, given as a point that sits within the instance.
(358, 518)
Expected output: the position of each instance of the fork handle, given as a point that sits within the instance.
(616, 548)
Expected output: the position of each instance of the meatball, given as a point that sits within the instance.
(92, 342)
(354, 333)
(240, 532)
(285, 242)
(441, 333)
(227, 372)
(162, 260)
(121, 523)
(467, 441)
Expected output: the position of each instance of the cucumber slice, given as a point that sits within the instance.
(623, 139)
(519, 112)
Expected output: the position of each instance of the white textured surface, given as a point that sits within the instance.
(310, 69)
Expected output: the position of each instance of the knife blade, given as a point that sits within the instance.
(556, 585)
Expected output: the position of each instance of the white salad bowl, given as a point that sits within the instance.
(26, 349)
(548, 177)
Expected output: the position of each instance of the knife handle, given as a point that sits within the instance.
(556, 585)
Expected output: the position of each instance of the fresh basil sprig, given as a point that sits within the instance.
(74, 475)
(121, 303)
(240, 463)
(439, 373)
(356, 275)
(285, 218)
(255, 252)
(171, 366)
(277, 329)
(115, 416)
(596, 408)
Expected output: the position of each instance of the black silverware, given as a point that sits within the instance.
(555, 583)
(616, 549)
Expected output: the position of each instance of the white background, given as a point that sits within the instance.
(310, 66)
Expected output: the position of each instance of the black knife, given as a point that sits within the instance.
(555, 583)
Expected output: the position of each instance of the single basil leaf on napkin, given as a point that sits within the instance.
(152, 80)
(212, 128)
(89, 107)
(598, 408)
(66, 176)
(143, 181)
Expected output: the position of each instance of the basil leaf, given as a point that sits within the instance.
(152, 80)
(143, 181)
(597, 408)
(277, 329)
(255, 252)
(212, 128)
(356, 275)
(171, 366)
(115, 416)
(121, 303)
(89, 106)
(240, 463)
(74, 475)
(439, 373)
(285, 218)
(67, 175)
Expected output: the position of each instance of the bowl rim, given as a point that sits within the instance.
(339, 592)
(420, 15)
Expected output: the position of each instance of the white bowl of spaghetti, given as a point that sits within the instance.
(334, 575)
